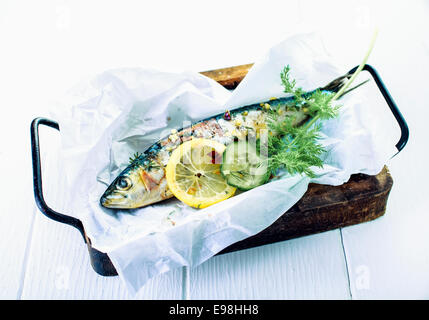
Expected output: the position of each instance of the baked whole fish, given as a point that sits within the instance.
(144, 181)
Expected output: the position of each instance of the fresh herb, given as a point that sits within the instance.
(138, 160)
(152, 165)
(135, 158)
(297, 149)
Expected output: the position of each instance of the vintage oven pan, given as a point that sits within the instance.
(322, 208)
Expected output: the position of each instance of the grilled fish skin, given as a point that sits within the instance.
(144, 182)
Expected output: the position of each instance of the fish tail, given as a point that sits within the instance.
(336, 84)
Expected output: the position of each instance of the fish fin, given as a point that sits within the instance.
(355, 87)
(337, 84)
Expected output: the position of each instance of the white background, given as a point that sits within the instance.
(48, 46)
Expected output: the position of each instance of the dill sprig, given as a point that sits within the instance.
(297, 149)
(138, 159)
(297, 154)
(135, 158)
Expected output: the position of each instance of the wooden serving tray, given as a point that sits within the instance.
(229, 77)
(322, 208)
(363, 198)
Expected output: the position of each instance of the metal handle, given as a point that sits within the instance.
(37, 177)
(392, 105)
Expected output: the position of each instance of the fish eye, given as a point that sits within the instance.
(124, 183)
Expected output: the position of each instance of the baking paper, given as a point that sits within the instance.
(108, 118)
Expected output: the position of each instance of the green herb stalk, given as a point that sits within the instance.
(296, 149)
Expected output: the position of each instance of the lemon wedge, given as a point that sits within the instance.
(193, 173)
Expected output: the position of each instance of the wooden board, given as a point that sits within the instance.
(229, 77)
(363, 198)
(322, 208)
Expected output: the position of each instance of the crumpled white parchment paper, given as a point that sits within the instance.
(106, 119)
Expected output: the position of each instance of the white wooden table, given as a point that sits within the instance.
(47, 46)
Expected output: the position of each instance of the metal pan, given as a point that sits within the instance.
(100, 261)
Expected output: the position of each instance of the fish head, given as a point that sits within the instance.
(135, 188)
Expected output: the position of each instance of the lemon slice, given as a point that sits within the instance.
(193, 173)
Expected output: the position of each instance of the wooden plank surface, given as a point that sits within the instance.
(391, 252)
(312, 267)
(17, 210)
